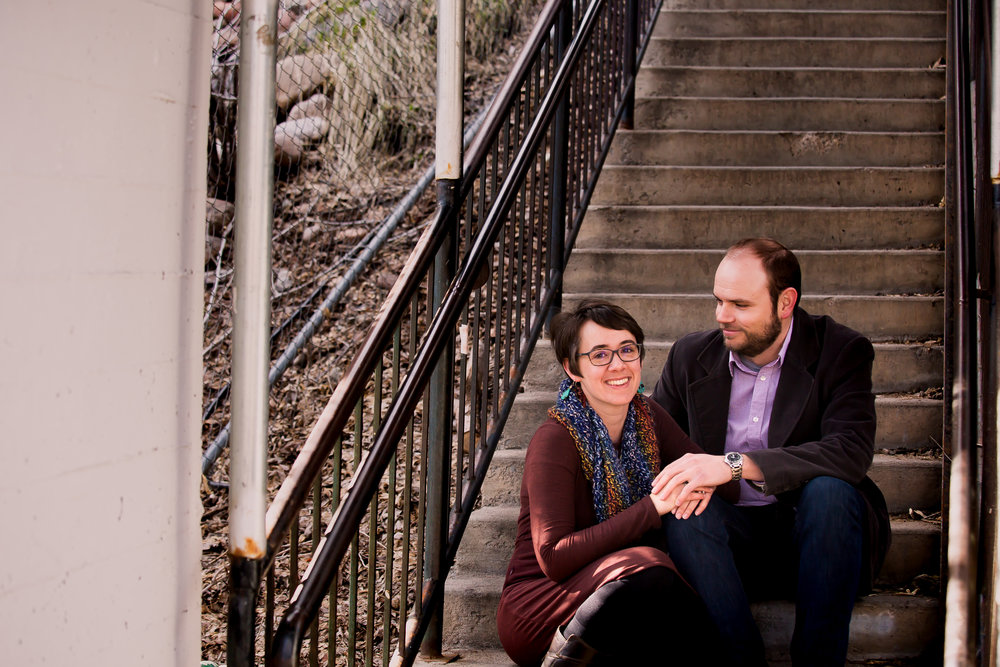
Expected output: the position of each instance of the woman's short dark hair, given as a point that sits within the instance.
(564, 329)
(780, 265)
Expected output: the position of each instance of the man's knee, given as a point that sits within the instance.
(831, 506)
(829, 494)
(709, 527)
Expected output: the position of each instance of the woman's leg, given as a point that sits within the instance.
(645, 618)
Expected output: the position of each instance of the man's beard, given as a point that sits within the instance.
(758, 341)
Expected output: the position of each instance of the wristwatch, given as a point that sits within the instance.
(735, 461)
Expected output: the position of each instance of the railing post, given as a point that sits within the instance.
(961, 617)
(985, 209)
(631, 66)
(560, 167)
(252, 326)
(448, 170)
(438, 446)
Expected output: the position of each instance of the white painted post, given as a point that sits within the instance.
(251, 321)
(450, 76)
(252, 294)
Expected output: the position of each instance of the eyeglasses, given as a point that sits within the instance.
(603, 356)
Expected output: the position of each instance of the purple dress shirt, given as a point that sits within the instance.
(750, 401)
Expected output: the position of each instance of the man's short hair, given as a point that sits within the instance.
(780, 265)
(564, 329)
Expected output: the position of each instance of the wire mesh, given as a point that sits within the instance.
(354, 131)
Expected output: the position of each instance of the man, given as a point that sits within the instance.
(781, 400)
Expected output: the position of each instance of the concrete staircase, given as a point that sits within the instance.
(822, 128)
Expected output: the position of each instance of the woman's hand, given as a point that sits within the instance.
(696, 503)
(687, 480)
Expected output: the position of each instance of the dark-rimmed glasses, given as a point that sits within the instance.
(603, 356)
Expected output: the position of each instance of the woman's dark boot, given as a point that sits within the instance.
(566, 651)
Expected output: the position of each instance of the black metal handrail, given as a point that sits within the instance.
(972, 337)
(421, 411)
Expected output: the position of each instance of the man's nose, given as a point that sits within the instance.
(723, 313)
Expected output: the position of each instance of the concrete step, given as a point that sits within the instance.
(920, 83)
(794, 51)
(789, 114)
(898, 367)
(719, 148)
(771, 186)
(915, 550)
(811, 22)
(706, 227)
(467, 657)
(907, 481)
(881, 318)
(905, 422)
(823, 271)
(885, 627)
(871, 5)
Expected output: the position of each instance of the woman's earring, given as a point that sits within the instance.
(642, 388)
(565, 393)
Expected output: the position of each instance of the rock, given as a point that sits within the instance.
(283, 280)
(287, 151)
(229, 11)
(316, 106)
(298, 77)
(311, 232)
(293, 137)
(218, 214)
(227, 38)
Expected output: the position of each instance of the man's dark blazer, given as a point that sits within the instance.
(822, 422)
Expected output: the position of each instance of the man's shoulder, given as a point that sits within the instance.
(697, 352)
(829, 331)
(829, 339)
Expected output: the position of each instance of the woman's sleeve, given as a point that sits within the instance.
(675, 443)
(552, 474)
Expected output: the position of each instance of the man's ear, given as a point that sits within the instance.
(572, 376)
(786, 302)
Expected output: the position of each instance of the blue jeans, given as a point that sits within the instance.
(810, 550)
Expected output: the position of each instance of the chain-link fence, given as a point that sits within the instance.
(355, 104)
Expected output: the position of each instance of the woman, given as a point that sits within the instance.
(589, 578)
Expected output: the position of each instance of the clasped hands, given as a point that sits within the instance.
(686, 486)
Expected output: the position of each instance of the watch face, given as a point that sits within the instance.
(733, 458)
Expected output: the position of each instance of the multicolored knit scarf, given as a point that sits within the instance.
(618, 480)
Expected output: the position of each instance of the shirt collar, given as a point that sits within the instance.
(735, 361)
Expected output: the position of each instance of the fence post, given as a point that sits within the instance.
(631, 66)
(560, 167)
(252, 326)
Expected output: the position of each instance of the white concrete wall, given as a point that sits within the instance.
(102, 199)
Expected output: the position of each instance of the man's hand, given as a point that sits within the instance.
(686, 480)
(697, 503)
